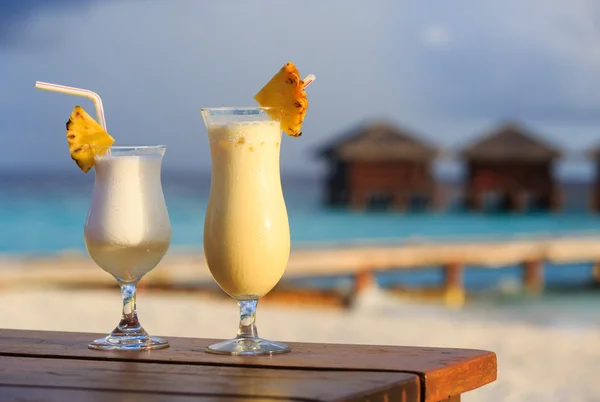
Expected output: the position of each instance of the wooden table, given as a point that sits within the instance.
(57, 366)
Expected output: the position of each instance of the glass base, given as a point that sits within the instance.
(248, 347)
(129, 343)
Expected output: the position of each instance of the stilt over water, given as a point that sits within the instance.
(533, 276)
(454, 289)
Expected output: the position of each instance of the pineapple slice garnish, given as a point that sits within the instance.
(285, 91)
(86, 138)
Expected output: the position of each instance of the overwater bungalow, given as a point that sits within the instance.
(379, 164)
(513, 165)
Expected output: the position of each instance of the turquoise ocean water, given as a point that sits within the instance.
(44, 213)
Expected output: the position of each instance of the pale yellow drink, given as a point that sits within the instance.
(246, 231)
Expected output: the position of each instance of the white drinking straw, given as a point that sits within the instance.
(308, 80)
(77, 92)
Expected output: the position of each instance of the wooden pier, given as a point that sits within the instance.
(189, 270)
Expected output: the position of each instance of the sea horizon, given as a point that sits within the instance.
(44, 212)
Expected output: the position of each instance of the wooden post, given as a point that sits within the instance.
(595, 190)
(556, 199)
(517, 201)
(454, 290)
(363, 279)
(596, 272)
(474, 199)
(594, 202)
(436, 198)
(358, 199)
(533, 276)
(400, 201)
(593, 199)
(332, 194)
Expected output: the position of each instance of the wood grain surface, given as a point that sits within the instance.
(218, 381)
(61, 394)
(443, 372)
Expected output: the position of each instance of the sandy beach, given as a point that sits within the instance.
(537, 362)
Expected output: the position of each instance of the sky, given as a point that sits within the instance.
(446, 70)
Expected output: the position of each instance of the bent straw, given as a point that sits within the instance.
(46, 86)
(309, 80)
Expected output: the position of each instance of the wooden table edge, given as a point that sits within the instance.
(483, 360)
(486, 363)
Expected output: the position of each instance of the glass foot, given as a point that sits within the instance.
(248, 347)
(129, 343)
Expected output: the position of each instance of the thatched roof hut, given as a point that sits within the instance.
(376, 141)
(514, 162)
(511, 142)
(379, 161)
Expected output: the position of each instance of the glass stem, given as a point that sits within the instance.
(129, 321)
(247, 318)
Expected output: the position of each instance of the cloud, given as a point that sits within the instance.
(153, 81)
(450, 72)
(436, 35)
(527, 59)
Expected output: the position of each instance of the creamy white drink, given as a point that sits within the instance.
(127, 231)
(246, 231)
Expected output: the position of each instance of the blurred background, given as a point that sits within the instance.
(505, 95)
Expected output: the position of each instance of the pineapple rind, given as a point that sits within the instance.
(85, 136)
(285, 91)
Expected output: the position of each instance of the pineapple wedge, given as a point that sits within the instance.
(84, 134)
(286, 92)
